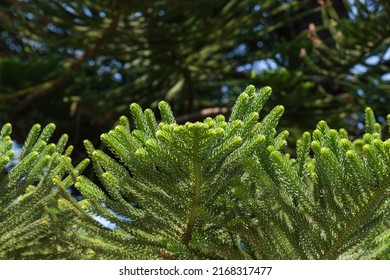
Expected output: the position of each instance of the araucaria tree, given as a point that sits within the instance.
(217, 189)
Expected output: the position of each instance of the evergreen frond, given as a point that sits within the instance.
(28, 197)
(180, 176)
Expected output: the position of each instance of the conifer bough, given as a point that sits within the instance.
(217, 189)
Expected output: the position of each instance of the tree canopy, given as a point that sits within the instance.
(81, 63)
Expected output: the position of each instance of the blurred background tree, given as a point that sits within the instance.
(81, 63)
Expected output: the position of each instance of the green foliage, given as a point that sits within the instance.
(178, 178)
(325, 204)
(217, 189)
(28, 197)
